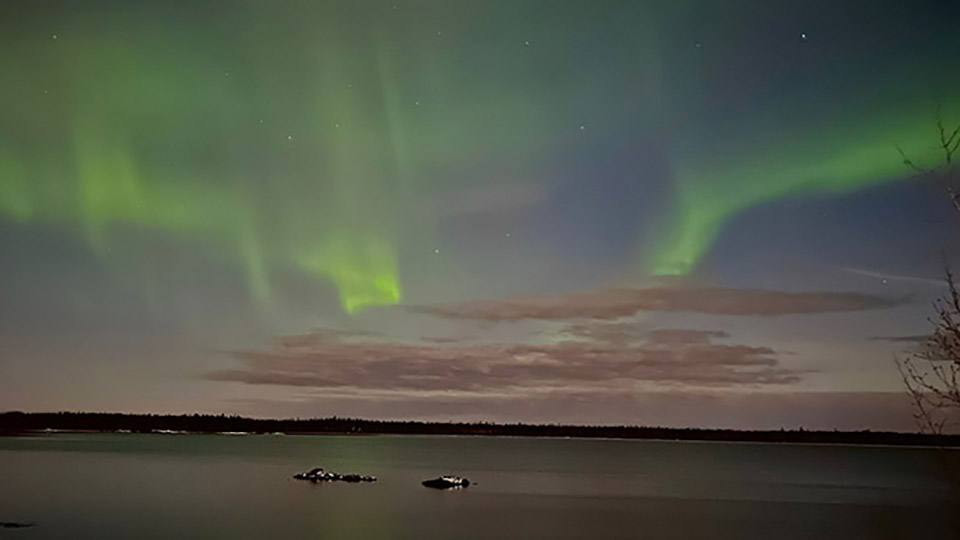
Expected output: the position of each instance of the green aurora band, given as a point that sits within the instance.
(836, 161)
(309, 142)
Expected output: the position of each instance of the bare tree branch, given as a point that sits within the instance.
(932, 374)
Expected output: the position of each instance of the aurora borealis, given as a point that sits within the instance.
(198, 178)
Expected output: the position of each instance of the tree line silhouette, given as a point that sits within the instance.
(19, 423)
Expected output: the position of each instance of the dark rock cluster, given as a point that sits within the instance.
(319, 475)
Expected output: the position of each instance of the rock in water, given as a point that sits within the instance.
(319, 475)
(446, 482)
(15, 525)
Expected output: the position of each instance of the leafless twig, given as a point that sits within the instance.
(932, 374)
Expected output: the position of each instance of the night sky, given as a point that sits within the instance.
(675, 213)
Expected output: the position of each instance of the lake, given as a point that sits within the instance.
(230, 486)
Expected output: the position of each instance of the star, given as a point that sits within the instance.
(526, 43)
(582, 127)
(698, 45)
(436, 251)
(55, 36)
(289, 137)
(417, 103)
(803, 36)
(336, 125)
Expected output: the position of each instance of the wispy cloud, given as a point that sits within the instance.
(625, 302)
(497, 199)
(609, 357)
(921, 338)
(896, 277)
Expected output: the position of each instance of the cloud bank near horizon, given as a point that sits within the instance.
(625, 302)
(587, 359)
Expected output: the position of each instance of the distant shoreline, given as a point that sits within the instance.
(19, 423)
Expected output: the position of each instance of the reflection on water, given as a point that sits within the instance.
(208, 486)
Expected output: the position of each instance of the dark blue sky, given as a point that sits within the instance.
(604, 212)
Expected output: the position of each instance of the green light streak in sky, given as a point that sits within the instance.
(364, 269)
(833, 160)
(16, 201)
(317, 195)
(317, 139)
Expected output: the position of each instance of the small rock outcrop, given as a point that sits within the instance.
(320, 475)
(16, 524)
(446, 482)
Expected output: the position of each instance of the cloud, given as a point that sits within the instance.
(617, 332)
(625, 302)
(444, 339)
(609, 358)
(320, 336)
(884, 276)
(920, 338)
(510, 198)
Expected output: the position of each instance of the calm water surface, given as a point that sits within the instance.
(220, 486)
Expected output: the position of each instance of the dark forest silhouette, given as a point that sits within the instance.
(19, 423)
